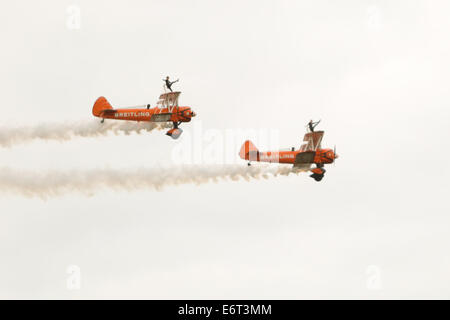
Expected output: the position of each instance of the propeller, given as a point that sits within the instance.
(335, 155)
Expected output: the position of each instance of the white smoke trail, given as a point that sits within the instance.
(55, 183)
(68, 130)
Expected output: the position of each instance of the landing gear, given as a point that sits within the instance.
(318, 172)
(175, 132)
(249, 164)
(103, 120)
(317, 176)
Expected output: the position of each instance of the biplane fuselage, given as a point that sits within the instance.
(167, 110)
(321, 156)
(302, 159)
(174, 114)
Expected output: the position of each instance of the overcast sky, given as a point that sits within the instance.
(376, 73)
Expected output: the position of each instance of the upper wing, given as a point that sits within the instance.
(169, 99)
(170, 95)
(313, 140)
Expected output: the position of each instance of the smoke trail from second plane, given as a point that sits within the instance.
(68, 130)
(57, 183)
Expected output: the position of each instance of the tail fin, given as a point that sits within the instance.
(248, 149)
(100, 105)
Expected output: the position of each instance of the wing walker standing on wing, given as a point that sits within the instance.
(169, 83)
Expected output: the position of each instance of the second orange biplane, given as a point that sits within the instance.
(166, 110)
(309, 153)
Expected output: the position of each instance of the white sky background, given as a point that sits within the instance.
(376, 72)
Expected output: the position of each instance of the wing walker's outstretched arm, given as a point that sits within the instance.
(170, 82)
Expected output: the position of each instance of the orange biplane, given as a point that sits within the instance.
(309, 153)
(166, 110)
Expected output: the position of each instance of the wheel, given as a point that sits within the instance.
(249, 164)
(316, 176)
